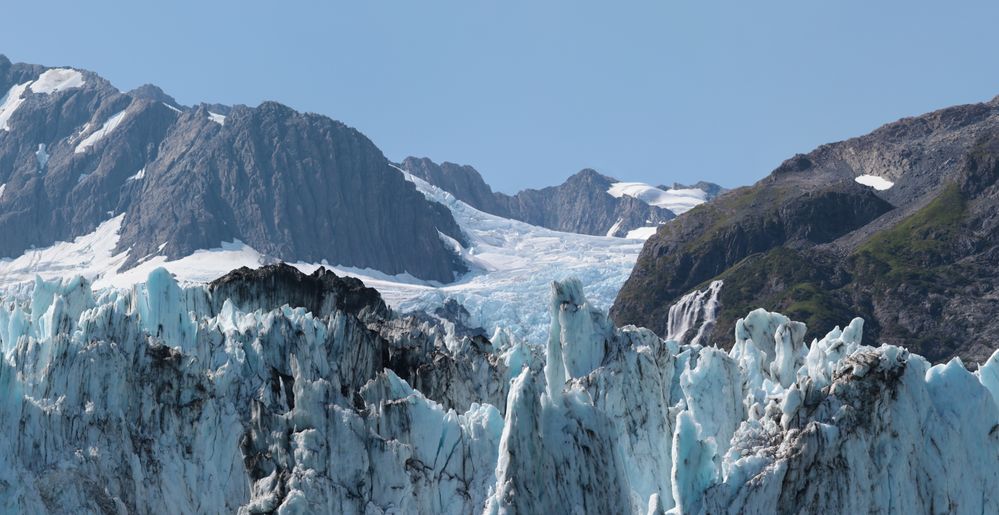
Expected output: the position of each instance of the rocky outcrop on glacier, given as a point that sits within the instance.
(320, 293)
(75, 152)
(172, 399)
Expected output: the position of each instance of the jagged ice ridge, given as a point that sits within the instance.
(169, 399)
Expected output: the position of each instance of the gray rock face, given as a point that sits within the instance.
(464, 182)
(293, 186)
(581, 204)
(917, 260)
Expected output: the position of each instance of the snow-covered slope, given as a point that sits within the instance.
(10, 102)
(165, 399)
(95, 137)
(676, 200)
(512, 264)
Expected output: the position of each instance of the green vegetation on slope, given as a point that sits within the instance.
(813, 288)
(918, 250)
(784, 280)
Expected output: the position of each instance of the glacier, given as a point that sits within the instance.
(512, 264)
(274, 391)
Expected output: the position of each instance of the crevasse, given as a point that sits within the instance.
(166, 399)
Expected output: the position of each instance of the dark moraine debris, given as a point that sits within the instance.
(321, 292)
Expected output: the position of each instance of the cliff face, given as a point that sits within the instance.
(74, 151)
(916, 257)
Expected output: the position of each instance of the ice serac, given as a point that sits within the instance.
(163, 398)
(272, 391)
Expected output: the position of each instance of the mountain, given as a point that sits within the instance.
(510, 267)
(897, 226)
(75, 153)
(272, 391)
(586, 203)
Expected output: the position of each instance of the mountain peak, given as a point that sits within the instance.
(589, 174)
(154, 93)
(183, 185)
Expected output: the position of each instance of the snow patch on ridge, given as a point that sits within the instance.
(10, 102)
(641, 233)
(217, 118)
(878, 183)
(676, 200)
(57, 79)
(614, 228)
(42, 156)
(138, 176)
(108, 127)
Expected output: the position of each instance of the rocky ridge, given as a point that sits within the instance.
(76, 152)
(915, 259)
(581, 204)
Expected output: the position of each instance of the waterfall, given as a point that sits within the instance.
(694, 311)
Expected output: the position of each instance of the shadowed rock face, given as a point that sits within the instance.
(581, 204)
(293, 186)
(917, 260)
(321, 292)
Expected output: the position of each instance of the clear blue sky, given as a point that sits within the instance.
(530, 92)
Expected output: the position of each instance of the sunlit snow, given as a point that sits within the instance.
(516, 263)
(57, 79)
(641, 233)
(90, 256)
(878, 183)
(217, 118)
(139, 175)
(108, 127)
(42, 156)
(616, 227)
(676, 200)
(10, 102)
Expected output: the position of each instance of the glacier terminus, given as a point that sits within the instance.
(272, 391)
